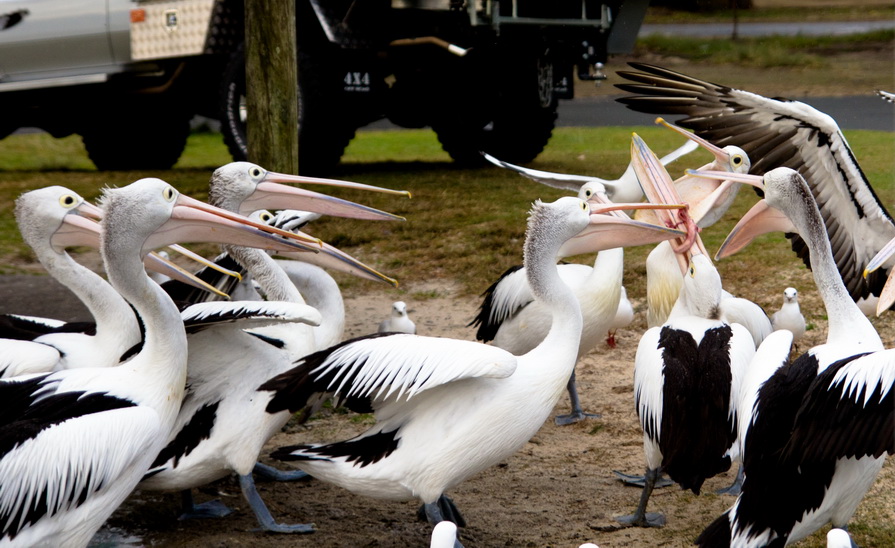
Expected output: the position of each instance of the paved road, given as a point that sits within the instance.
(859, 112)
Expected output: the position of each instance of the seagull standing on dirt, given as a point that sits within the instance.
(398, 321)
(789, 316)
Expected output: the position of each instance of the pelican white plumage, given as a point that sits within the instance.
(77, 441)
(43, 219)
(223, 423)
(508, 315)
(886, 96)
(687, 375)
(790, 316)
(775, 133)
(444, 535)
(429, 435)
(815, 431)
(398, 321)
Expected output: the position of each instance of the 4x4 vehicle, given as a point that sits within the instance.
(129, 75)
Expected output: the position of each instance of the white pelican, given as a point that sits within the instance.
(775, 133)
(77, 441)
(790, 316)
(815, 431)
(223, 423)
(687, 375)
(398, 321)
(51, 219)
(886, 96)
(448, 409)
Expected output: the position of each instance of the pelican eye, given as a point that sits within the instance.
(736, 160)
(256, 172)
(692, 271)
(68, 201)
(584, 206)
(266, 216)
(588, 193)
(169, 194)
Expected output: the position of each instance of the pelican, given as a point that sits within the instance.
(775, 133)
(886, 96)
(814, 431)
(77, 441)
(224, 422)
(447, 409)
(790, 316)
(398, 321)
(687, 375)
(43, 219)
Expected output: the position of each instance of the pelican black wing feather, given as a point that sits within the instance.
(775, 133)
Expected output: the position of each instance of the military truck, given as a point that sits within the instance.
(129, 75)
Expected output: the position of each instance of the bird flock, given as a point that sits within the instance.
(184, 376)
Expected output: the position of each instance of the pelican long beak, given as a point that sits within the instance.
(271, 193)
(659, 189)
(205, 262)
(722, 158)
(333, 258)
(76, 230)
(195, 221)
(185, 202)
(755, 180)
(283, 178)
(90, 211)
(609, 231)
(761, 219)
(157, 263)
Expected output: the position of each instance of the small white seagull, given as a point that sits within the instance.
(398, 321)
(790, 316)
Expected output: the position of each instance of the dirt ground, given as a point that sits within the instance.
(558, 491)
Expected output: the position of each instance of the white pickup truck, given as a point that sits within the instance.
(129, 75)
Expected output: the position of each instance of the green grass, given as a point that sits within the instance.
(465, 225)
(771, 51)
(657, 15)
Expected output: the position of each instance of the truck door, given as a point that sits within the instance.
(53, 39)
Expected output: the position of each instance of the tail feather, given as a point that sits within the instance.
(717, 534)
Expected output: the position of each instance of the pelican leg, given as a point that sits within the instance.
(247, 484)
(577, 413)
(270, 473)
(442, 509)
(640, 518)
(210, 509)
(736, 487)
(640, 481)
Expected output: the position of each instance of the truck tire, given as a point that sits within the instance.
(146, 134)
(518, 126)
(322, 133)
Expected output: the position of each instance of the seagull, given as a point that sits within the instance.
(439, 401)
(398, 321)
(814, 431)
(775, 133)
(77, 441)
(789, 316)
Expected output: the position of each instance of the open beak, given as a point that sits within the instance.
(761, 219)
(195, 221)
(205, 262)
(703, 195)
(273, 193)
(659, 189)
(611, 231)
